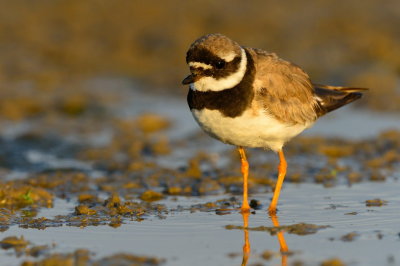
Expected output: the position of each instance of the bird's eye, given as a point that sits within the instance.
(220, 64)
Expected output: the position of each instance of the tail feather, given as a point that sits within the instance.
(330, 98)
(339, 88)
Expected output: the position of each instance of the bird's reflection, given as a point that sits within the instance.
(246, 246)
(282, 242)
(281, 238)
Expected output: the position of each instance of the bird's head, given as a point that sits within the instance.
(216, 63)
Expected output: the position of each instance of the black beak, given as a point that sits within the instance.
(189, 79)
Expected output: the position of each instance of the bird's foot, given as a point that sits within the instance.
(272, 211)
(245, 208)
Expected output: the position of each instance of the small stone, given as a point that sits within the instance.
(84, 210)
(333, 262)
(255, 204)
(151, 195)
(349, 237)
(375, 203)
(267, 255)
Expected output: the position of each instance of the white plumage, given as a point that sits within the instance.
(248, 130)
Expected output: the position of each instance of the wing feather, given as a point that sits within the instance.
(283, 89)
(330, 98)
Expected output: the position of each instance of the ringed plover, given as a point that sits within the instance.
(248, 97)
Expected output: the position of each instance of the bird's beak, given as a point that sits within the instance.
(189, 79)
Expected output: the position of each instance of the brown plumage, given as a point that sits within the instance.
(285, 91)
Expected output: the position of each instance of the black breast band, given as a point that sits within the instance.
(231, 102)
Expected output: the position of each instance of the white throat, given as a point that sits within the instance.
(212, 84)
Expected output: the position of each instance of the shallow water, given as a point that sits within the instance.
(183, 237)
(200, 238)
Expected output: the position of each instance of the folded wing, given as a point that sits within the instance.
(330, 98)
(283, 89)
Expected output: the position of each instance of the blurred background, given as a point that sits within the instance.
(94, 121)
(47, 47)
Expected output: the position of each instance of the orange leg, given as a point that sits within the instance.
(281, 176)
(245, 171)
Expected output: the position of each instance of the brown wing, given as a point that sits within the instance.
(330, 98)
(283, 89)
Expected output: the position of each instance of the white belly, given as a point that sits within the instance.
(248, 130)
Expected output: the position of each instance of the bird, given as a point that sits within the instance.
(251, 98)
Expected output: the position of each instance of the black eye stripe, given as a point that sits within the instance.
(228, 68)
(220, 64)
(202, 55)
